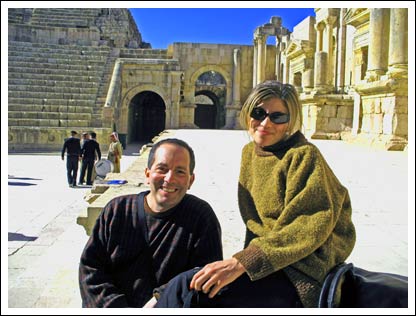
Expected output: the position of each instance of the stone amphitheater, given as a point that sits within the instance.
(89, 69)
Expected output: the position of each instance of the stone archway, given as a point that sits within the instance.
(147, 116)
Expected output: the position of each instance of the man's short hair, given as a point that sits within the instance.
(181, 143)
(73, 133)
(93, 134)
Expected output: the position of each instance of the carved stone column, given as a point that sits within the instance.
(398, 53)
(231, 109)
(278, 59)
(255, 57)
(261, 57)
(321, 62)
(236, 76)
(341, 53)
(329, 32)
(378, 44)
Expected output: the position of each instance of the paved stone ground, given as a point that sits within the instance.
(44, 241)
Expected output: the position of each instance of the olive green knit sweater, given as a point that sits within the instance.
(297, 214)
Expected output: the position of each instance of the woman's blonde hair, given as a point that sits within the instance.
(274, 89)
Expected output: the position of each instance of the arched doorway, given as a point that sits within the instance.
(210, 94)
(147, 116)
(205, 112)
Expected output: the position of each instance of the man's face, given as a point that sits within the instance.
(169, 177)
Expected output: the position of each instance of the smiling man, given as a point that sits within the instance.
(141, 241)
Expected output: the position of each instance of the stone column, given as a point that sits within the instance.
(321, 71)
(278, 57)
(378, 44)
(321, 60)
(319, 37)
(232, 107)
(330, 65)
(356, 128)
(255, 57)
(398, 53)
(113, 85)
(261, 57)
(341, 52)
(236, 76)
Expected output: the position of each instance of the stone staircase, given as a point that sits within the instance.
(55, 17)
(60, 63)
(54, 87)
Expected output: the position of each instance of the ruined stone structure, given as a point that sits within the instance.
(88, 69)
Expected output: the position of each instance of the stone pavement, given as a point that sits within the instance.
(45, 243)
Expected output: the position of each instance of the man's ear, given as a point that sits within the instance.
(147, 174)
(191, 181)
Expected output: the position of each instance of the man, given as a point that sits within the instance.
(73, 148)
(89, 151)
(94, 138)
(84, 137)
(141, 241)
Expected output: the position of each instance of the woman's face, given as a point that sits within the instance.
(265, 132)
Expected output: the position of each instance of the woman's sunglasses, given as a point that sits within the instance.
(260, 114)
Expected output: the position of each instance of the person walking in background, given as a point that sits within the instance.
(90, 151)
(98, 157)
(115, 151)
(141, 241)
(84, 137)
(296, 212)
(73, 155)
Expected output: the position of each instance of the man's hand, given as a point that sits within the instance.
(214, 276)
(151, 303)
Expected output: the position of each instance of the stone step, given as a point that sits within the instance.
(53, 89)
(49, 115)
(49, 123)
(94, 73)
(62, 58)
(81, 66)
(43, 95)
(55, 77)
(54, 83)
(58, 48)
(77, 12)
(50, 102)
(50, 108)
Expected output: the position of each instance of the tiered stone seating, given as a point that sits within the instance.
(63, 17)
(60, 62)
(54, 85)
(144, 53)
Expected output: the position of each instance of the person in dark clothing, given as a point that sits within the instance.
(73, 154)
(90, 150)
(141, 241)
(94, 138)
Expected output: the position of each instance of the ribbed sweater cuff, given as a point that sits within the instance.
(255, 262)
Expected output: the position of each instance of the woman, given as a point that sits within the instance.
(297, 214)
(115, 151)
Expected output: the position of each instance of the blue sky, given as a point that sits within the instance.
(162, 27)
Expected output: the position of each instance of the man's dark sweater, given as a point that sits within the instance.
(118, 269)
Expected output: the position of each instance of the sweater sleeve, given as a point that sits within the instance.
(313, 230)
(208, 246)
(95, 281)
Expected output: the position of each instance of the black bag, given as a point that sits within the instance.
(362, 288)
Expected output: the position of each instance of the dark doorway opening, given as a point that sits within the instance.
(147, 116)
(206, 111)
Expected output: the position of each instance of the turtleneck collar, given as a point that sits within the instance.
(282, 145)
